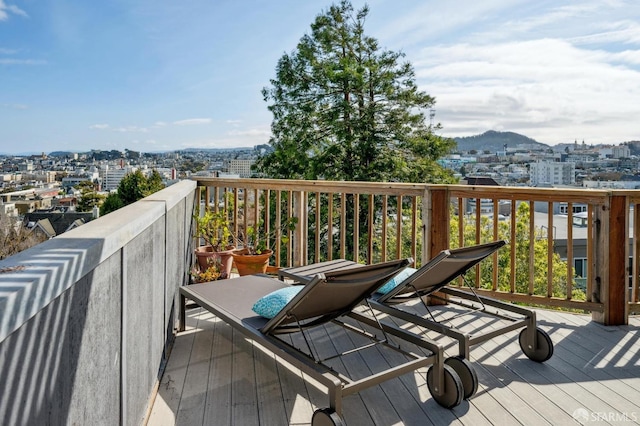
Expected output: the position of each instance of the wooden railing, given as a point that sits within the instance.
(372, 222)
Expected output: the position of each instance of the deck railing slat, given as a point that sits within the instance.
(355, 220)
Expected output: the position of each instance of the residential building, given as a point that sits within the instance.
(241, 168)
(70, 181)
(8, 209)
(545, 173)
(57, 222)
(111, 177)
(621, 151)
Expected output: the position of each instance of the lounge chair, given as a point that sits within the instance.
(433, 277)
(325, 298)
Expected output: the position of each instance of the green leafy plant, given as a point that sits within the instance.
(214, 229)
(257, 240)
(133, 187)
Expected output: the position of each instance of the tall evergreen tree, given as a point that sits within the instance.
(343, 109)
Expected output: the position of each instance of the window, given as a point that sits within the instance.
(580, 269)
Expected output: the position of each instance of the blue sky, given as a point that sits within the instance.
(155, 75)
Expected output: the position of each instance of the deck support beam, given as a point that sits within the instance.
(437, 218)
(610, 287)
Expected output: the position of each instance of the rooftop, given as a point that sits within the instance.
(88, 319)
(215, 376)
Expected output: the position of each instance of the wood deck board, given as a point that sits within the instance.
(170, 390)
(192, 403)
(420, 408)
(377, 401)
(589, 387)
(218, 402)
(215, 376)
(354, 408)
(609, 357)
(244, 409)
(489, 401)
(531, 383)
(271, 407)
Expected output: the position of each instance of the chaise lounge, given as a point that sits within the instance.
(433, 277)
(287, 313)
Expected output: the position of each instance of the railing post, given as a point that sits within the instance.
(610, 288)
(436, 230)
(437, 222)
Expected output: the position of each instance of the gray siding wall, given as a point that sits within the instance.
(87, 318)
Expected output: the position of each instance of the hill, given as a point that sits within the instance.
(494, 141)
(61, 154)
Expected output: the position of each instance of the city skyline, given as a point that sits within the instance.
(77, 76)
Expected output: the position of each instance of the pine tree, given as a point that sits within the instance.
(344, 109)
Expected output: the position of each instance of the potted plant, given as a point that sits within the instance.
(211, 273)
(213, 229)
(252, 256)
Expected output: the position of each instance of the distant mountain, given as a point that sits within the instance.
(61, 154)
(20, 154)
(495, 141)
(245, 148)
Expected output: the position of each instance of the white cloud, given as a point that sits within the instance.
(234, 122)
(6, 9)
(192, 121)
(16, 61)
(547, 89)
(130, 129)
(560, 14)
(160, 124)
(10, 61)
(627, 32)
(15, 106)
(421, 25)
(234, 138)
(594, 21)
(138, 143)
(124, 129)
(250, 132)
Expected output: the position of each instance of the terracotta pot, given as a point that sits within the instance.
(204, 253)
(250, 264)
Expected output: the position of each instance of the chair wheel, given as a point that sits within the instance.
(466, 372)
(453, 391)
(542, 352)
(326, 417)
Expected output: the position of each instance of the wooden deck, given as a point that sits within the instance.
(216, 377)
